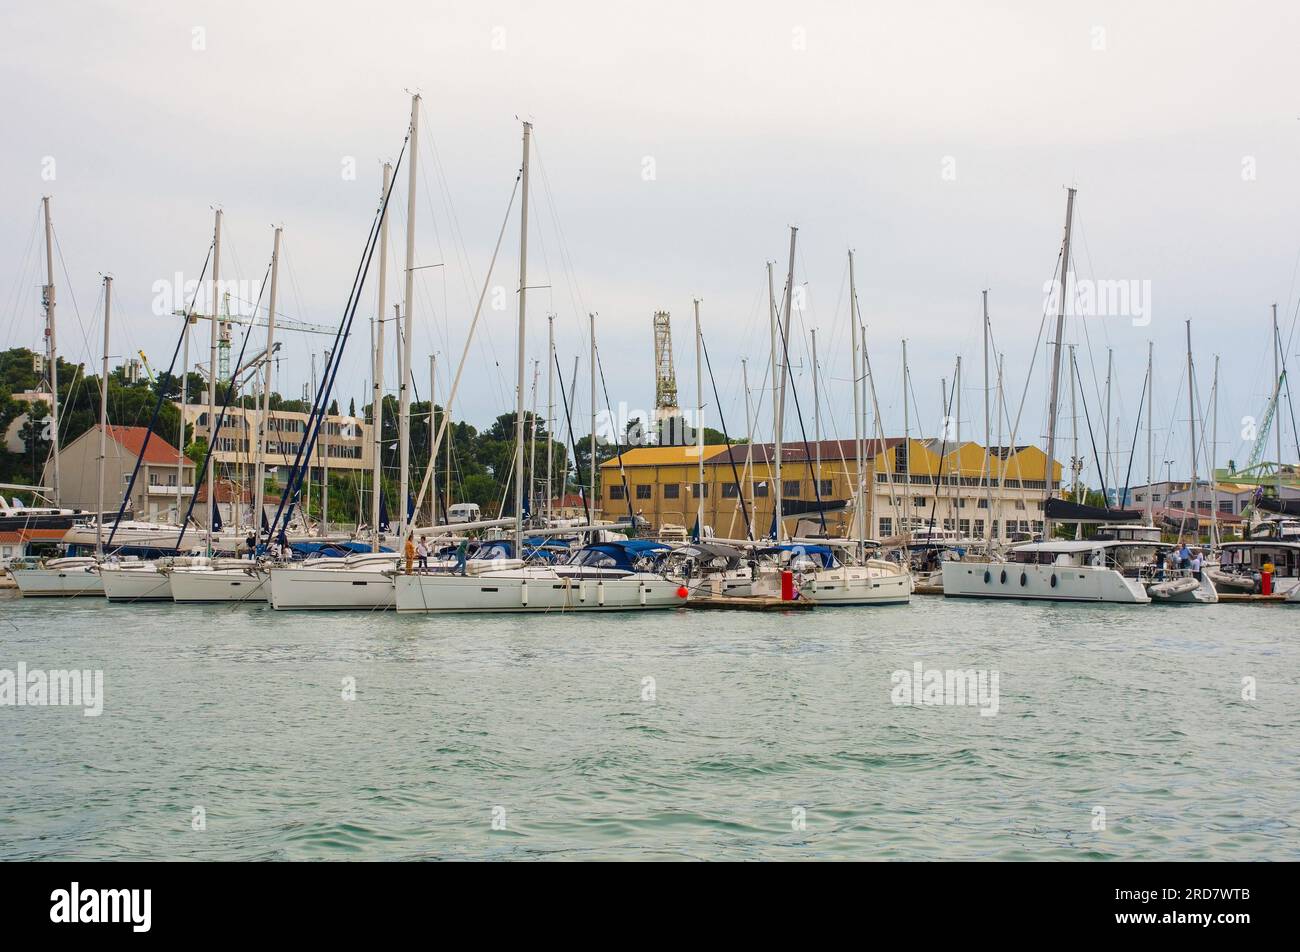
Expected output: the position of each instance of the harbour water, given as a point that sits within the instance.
(241, 733)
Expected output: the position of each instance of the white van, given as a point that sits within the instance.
(463, 512)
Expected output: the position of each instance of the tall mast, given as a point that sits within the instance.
(956, 492)
(817, 418)
(1214, 452)
(858, 529)
(433, 450)
(550, 416)
(1075, 467)
(323, 445)
(785, 365)
(907, 446)
(988, 430)
(1109, 470)
(212, 376)
(377, 394)
(103, 419)
(51, 350)
(1191, 425)
(180, 442)
(532, 443)
(523, 327)
(1150, 422)
(774, 467)
(408, 335)
(591, 470)
(1002, 467)
(306, 496)
(1277, 399)
(699, 428)
(749, 441)
(264, 417)
(1056, 362)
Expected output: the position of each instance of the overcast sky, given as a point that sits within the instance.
(676, 142)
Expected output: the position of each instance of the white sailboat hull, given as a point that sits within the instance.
(294, 588)
(538, 591)
(853, 585)
(135, 584)
(217, 585)
(1056, 583)
(845, 585)
(58, 582)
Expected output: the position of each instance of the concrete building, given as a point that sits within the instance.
(154, 497)
(1177, 502)
(907, 483)
(345, 443)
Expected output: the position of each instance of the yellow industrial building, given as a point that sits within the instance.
(908, 483)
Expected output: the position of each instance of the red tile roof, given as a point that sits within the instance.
(28, 535)
(131, 439)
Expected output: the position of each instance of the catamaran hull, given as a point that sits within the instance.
(58, 583)
(486, 593)
(330, 589)
(1053, 583)
(220, 585)
(127, 585)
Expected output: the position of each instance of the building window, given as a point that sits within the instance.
(701, 490)
(760, 490)
(886, 526)
(947, 525)
(616, 492)
(918, 501)
(790, 487)
(984, 503)
(1020, 504)
(1225, 505)
(963, 526)
(961, 503)
(730, 491)
(644, 492)
(672, 490)
(824, 487)
(1155, 497)
(979, 527)
(995, 529)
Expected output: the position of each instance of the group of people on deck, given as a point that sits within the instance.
(1183, 559)
(417, 553)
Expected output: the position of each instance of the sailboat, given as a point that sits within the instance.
(363, 581)
(72, 575)
(601, 576)
(830, 571)
(1054, 569)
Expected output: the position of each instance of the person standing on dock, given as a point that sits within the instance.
(410, 554)
(422, 555)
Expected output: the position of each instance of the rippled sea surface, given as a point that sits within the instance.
(1121, 733)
